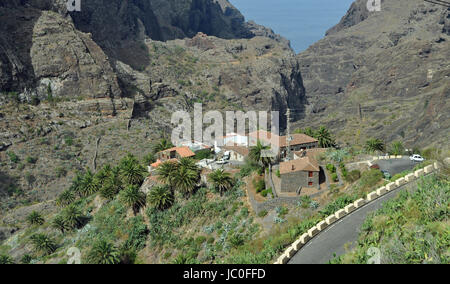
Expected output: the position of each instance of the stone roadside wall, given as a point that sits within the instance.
(322, 225)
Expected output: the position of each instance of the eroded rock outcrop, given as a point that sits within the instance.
(393, 65)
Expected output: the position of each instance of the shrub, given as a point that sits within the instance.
(262, 213)
(43, 243)
(278, 174)
(304, 201)
(31, 160)
(370, 178)
(331, 168)
(13, 157)
(260, 185)
(353, 176)
(335, 177)
(6, 259)
(35, 218)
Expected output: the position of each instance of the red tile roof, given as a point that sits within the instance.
(184, 151)
(303, 164)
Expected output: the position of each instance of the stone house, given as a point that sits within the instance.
(297, 174)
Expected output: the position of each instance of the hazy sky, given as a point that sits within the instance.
(303, 22)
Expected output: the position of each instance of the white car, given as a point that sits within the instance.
(416, 158)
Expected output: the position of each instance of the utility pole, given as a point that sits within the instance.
(288, 137)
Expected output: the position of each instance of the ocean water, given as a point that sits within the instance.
(303, 22)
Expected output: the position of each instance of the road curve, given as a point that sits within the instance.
(341, 234)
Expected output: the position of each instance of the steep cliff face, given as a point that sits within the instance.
(43, 47)
(384, 74)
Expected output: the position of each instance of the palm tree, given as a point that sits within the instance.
(185, 180)
(112, 186)
(73, 217)
(35, 218)
(188, 163)
(131, 171)
(6, 259)
(104, 252)
(161, 197)
(374, 144)
(65, 198)
(166, 172)
(133, 197)
(102, 175)
(397, 148)
(89, 184)
(163, 144)
(59, 223)
(43, 243)
(256, 154)
(77, 184)
(324, 137)
(221, 180)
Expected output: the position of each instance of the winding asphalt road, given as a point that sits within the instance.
(345, 232)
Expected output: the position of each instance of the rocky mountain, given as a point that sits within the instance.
(382, 74)
(77, 87)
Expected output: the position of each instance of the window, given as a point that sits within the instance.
(311, 174)
(310, 184)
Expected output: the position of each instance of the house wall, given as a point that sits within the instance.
(291, 182)
(236, 157)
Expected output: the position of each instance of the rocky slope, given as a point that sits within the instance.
(117, 72)
(382, 74)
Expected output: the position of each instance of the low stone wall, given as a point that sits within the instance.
(322, 225)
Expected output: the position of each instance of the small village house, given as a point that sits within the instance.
(297, 174)
(172, 154)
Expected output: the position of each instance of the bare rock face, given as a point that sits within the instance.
(392, 65)
(42, 53)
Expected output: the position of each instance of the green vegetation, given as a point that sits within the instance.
(103, 252)
(396, 148)
(221, 181)
(161, 197)
(13, 157)
(412, 229)
(353, 176)
(133, 198)
(259, 185)
(163, 144)
(331, 168)
(35, 218)
(322, 134)
(374, 144)
(6, 259)
(334, 177)
(43, 244)
(256, 154)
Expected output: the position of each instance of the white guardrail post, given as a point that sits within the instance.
(322, 225)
